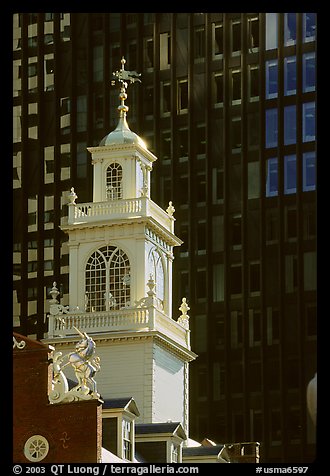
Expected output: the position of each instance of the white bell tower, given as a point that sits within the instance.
(120, 284)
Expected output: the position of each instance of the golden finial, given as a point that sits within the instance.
(123, 77)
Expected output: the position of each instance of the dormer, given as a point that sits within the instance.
(118, 428)
(161, 442)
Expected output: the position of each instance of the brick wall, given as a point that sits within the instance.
(73, 430)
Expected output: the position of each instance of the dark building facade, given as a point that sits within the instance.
(227, 103)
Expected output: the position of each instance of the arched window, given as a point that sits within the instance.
(107, 280)
(114, 177)
(156, 269)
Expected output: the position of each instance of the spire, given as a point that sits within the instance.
(122, 133)
(123, 76)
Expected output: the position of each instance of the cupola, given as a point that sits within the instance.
(122, 162)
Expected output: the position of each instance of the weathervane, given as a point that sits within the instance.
(123, 77)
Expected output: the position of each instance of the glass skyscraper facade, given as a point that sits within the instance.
(228, 105)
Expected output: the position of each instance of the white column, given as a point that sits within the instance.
(168, 309)
(98, 181)
(73, 275)
(186, 400)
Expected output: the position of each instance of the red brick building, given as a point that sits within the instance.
(51, 433)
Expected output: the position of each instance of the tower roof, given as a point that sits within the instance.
(122, 134)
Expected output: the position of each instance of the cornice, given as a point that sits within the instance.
(166, 235)
(109, 338)
(104, 149)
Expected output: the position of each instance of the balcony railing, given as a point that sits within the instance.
(62, 324)
(118, 210)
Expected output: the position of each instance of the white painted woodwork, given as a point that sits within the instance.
(144, 352)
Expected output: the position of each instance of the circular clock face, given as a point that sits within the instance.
(36, 448)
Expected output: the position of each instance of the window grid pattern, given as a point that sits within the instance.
(114, 182)
(107, 280)
(127, 444)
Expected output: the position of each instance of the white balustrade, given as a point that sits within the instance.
(118, 209)
(123, 320)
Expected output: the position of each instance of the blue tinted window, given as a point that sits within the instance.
(290, 125)
(309, 171)
(290, 174)
(272, 178)
(271, 128)
(290, 29)
(271, 79)
(308, 72)
(308, 121)
(309, 27)
(290, 75)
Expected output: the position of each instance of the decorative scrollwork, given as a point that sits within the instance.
(19, 345)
